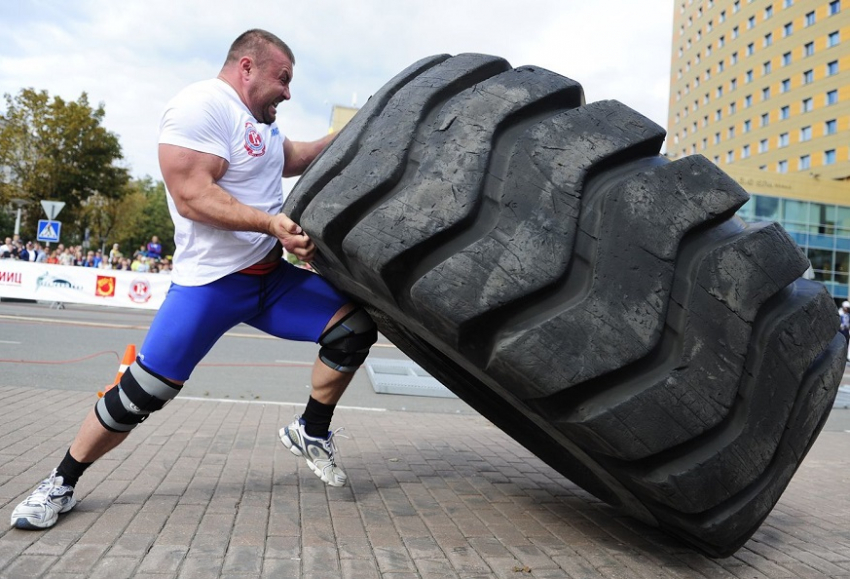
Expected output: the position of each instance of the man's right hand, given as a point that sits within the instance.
(293, 238)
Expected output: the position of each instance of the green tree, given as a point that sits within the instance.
(57, 150)
(130, 219)
(151, 217)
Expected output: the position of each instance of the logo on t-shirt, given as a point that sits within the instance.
(253, 141)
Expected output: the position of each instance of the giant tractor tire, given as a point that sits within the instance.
(599, 303)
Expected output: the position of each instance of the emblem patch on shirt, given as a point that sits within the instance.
(253, 141)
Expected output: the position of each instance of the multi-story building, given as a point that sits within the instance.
(764, 85)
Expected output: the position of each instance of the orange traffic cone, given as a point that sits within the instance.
(129, 358)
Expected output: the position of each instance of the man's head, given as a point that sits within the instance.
(259, 67)
(846, 306)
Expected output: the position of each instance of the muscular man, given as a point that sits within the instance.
(222, 158)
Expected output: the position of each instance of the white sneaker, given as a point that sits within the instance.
(41, 509)
(318, 452)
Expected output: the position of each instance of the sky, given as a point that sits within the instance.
(133, 55)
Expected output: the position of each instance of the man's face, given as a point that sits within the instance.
(269, 85)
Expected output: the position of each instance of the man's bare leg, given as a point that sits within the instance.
(93, 440)
(328, 384)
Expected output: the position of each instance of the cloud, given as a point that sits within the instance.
(132, 56)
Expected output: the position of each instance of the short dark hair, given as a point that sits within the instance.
(255, 42)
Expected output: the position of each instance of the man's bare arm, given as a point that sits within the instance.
(191, 178)
(299, 154)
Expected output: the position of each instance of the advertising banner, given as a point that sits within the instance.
(82, 285)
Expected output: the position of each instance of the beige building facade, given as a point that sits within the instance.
(762, 88)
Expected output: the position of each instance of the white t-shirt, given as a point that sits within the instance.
(209, 117)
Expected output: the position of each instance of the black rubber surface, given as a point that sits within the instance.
(600, 304)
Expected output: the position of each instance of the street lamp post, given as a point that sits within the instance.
(18, 203)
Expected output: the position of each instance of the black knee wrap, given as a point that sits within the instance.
(345, 345)
(139, 393)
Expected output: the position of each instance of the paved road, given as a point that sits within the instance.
(80, 348)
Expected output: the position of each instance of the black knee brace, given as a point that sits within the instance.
(139, 393)
(345, 345)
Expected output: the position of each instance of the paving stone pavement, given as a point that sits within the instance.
(204, 489)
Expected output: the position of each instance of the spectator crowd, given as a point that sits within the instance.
(148, 258)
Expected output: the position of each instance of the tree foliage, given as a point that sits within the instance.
(52, 149)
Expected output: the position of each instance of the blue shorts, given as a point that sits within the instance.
(289, 302)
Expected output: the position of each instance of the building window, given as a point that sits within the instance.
(788, 29)
(805, 162)
(805, 134)
(736, 6)
(833, 39)
(810, 18)
(720, 66)
(719, 91)
(716, 138)
(734, 59)
(718, 114)
(832, 97)
(765, 119)
(829, 157)
(709, 26)
(785, 85)
(748, 101)
(830, 127)
(763, 146)
(704, 144)
(768, 12)
(716, 159)
(765, 93)
(808, 76)
(750, 49)
(748, 76)
(751, 22)
(786, 59)
(733, 108)
(730, 156)
(831, 68)
(788, 3)
(766, 68)
(784, 112)
(745, 152)
(722, 17)
(783, 140)
(734, 33)
(748, 125)
(768, 39)
(733, 84)
(808, 49)
(834, 7)
(731, 133)
(782, 167)
(806, 105)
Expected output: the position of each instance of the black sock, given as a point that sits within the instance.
(317, 418)
(70, 469)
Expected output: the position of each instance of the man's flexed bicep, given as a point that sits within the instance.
(191, 178)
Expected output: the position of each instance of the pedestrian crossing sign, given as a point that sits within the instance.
(48, 230)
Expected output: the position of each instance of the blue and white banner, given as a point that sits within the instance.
(82, 285)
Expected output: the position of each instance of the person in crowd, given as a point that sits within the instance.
(29, 253)
(154, 248)
(6, 249)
